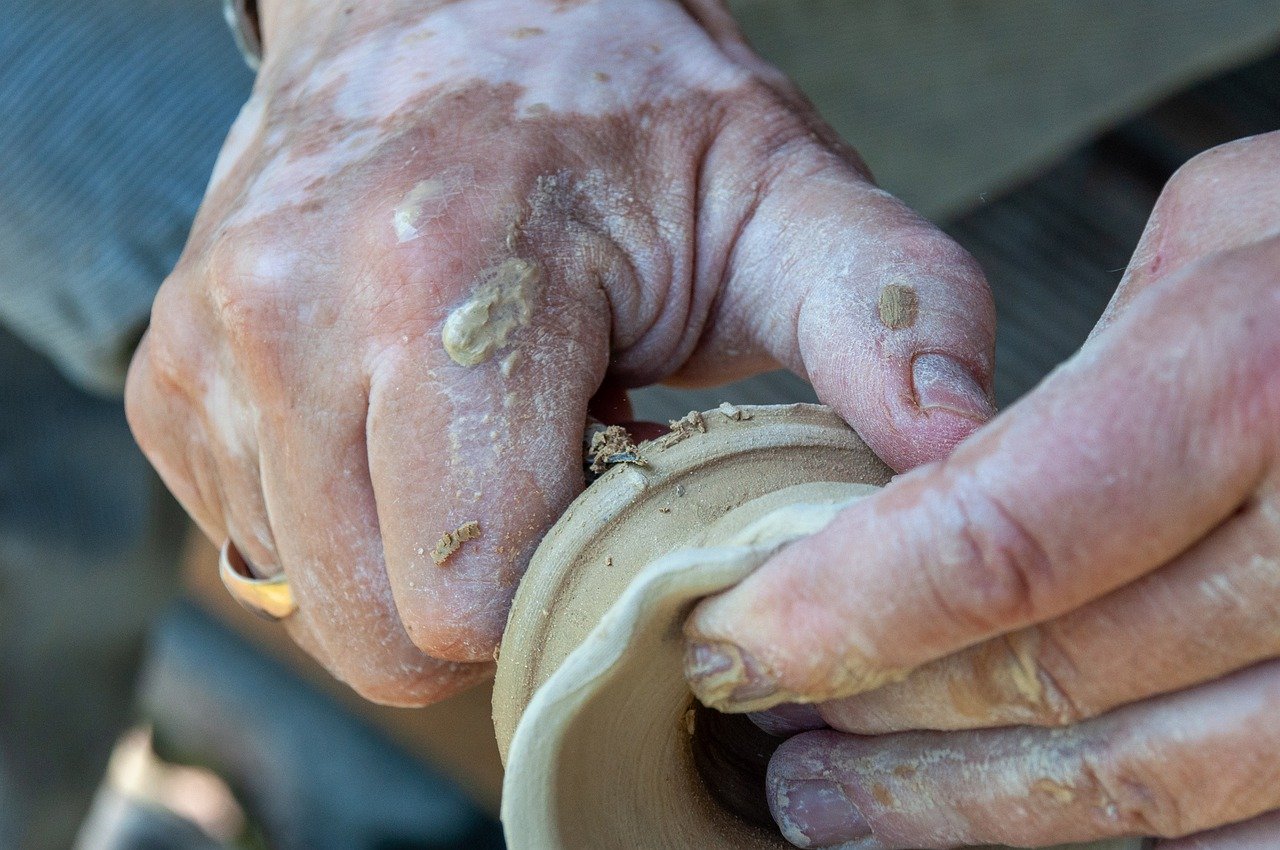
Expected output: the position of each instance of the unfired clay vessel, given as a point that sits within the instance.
(596, 726)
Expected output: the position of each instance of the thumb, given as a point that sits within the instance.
(889, 319)
(1222, 199)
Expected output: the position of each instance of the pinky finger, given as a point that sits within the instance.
(1171, 766)
(167, 428)
(1260, 833)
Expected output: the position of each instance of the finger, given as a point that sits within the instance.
(169, 407)
(1167, 767)
(890, 320)
(1223, 199)
(476, 438)
(1113, 466)
(320, 498)
(1211, 611)
(1260, 833)
(788, 719)
(162, 416)
(233, 451)
(196, 428)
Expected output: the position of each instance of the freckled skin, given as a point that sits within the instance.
(687, 214)
(1082, 600)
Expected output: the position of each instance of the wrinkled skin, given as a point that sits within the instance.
(679, 213)
(1101, 561)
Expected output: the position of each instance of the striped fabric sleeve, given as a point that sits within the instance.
(114, 111)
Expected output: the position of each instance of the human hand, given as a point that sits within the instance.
(1102, 560)
(437, 229)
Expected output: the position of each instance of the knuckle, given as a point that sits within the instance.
(168, 362)
(768, 113)
(158, 384)
(779, 136)
(1130, 795)
(996, 573)
(171, 307)
(171, 348)
(406, 682)
(382, 687)
(1210, 187)
(137, 382)
(251, 287)
(374, 672)
(1042, 687)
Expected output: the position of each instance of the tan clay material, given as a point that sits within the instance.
(451, 541)
(898, 306)
(590, 706)
(500, 304)
(611, 445)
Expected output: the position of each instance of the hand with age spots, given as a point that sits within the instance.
(1101, 561)
(439, 229)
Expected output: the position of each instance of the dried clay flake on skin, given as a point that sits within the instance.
(500, 304)
(451, 541)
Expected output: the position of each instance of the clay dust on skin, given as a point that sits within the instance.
(428, 200)
(501, 302)
(290, 179)
(484, 44)
(235, 434)
(243, 131)
(230, 421)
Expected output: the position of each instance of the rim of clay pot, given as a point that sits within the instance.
(688, 486)
(636, 513)
(738, 482)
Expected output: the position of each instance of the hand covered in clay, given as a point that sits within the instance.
(439, 229)
(1101, 561)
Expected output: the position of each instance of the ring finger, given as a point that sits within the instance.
(237, 468)
(317, 486)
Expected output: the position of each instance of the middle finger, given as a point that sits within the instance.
(320, 497)
(1170, 766)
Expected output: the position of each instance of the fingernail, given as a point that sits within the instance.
(725, 676)
(788, 719)
(941, 382)
(817, 813)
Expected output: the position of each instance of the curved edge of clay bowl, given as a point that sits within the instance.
(634, 514)
(601, 757)
(591, 709)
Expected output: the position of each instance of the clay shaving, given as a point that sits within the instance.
(733, 412)
(451, 541)
(612, 445)
(691, 423)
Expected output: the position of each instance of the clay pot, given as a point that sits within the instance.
(604, 745)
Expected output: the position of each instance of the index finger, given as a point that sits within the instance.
(1119, 461)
